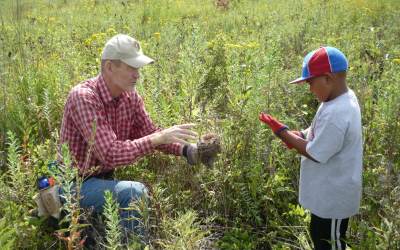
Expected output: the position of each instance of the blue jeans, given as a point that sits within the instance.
(92, 196)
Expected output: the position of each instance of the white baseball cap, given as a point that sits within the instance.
(127, 49)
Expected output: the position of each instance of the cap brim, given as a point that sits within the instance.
(300, 80)
(139, 61)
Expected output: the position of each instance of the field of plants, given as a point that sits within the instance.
(218, 64)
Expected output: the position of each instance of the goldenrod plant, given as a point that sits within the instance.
(7, 235)
(113, 229)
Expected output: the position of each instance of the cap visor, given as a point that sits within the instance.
(300, 80)
(139, 61)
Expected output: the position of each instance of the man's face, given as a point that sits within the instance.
(321, 87)
(124, 76)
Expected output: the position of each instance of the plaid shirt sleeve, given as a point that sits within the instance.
(90, 118)
(144, 127)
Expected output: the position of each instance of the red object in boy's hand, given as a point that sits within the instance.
(276, 126)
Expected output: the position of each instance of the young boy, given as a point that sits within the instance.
(331, 149)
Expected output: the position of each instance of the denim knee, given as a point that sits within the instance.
(128, 191)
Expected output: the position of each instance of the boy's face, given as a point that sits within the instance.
(321, 87)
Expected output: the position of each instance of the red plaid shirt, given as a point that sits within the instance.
(119, 126)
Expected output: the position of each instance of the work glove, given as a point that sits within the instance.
(191, 153)
(276, 126)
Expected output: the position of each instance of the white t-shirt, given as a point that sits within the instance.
(332, 187)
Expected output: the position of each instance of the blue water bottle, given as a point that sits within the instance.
(43, 183)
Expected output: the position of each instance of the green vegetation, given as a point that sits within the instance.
(218, 67)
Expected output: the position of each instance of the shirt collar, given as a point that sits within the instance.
(126, 94)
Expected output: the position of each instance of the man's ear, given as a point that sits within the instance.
(108, 66)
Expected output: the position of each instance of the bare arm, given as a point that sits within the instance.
(297, 142)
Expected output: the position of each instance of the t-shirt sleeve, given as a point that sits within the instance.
(328, 140)
(305, 132)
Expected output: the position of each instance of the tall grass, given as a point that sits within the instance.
(218, 67)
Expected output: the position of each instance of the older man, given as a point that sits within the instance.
(106, 126)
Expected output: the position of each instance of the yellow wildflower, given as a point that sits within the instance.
(111, 31)
(157, 35)
(231, 45)
(253, 45)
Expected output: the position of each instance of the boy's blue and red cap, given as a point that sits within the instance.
(321, 61)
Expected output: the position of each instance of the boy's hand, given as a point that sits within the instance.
(276, 126)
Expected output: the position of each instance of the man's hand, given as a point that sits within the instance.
(276, 126)
(176, 134)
